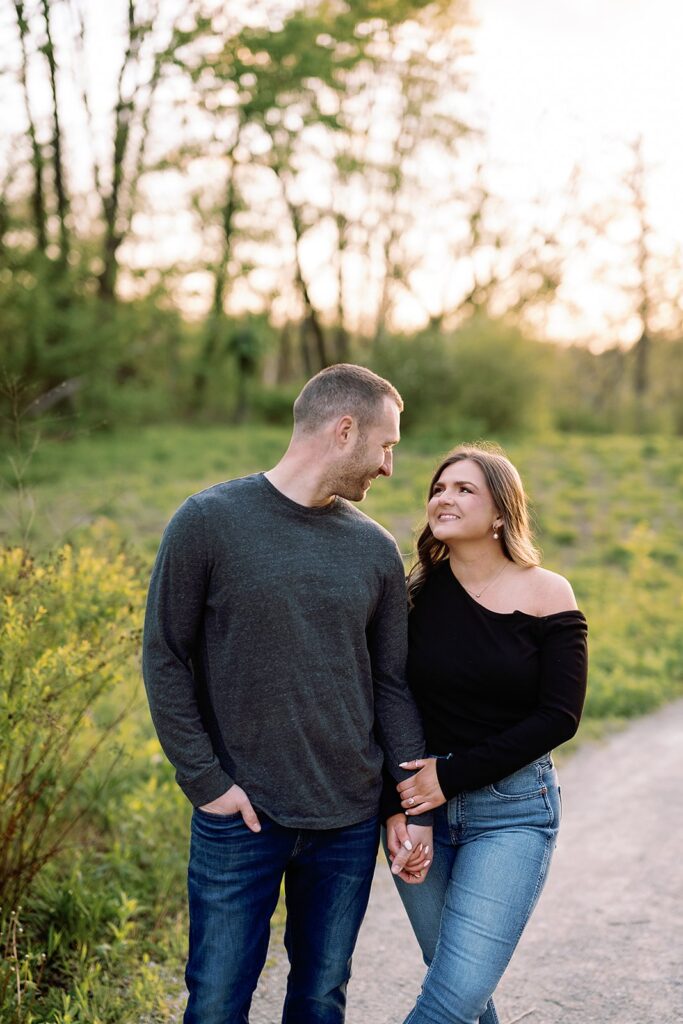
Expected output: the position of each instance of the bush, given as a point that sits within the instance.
(121, 361)
(91, 855)
(500, 377)
(274, 407)
(69, 627)
(483, 379)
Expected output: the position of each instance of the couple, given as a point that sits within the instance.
(283, 688)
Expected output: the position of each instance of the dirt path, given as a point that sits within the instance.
(606, 942)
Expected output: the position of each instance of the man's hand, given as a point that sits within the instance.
(421, 792)
(409, 847)
(232, 801)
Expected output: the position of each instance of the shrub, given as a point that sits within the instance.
(483, 379)
(69, 627)
(92, 854)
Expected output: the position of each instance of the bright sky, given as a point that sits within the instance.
(560, 83)
(564, 81)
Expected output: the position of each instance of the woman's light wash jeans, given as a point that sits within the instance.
(492, 850)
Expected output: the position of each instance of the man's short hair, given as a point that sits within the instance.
(339, 389)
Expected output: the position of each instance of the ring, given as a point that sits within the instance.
(411, 801)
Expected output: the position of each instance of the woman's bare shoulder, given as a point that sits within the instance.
(549, 592)
(552, 592)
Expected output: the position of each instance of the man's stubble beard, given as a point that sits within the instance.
(349, 481)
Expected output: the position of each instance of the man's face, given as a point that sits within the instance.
(371, 456)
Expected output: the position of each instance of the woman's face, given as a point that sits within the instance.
(461, 506)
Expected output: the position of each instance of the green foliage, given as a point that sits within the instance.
(499, 377)
(67, 638)
(226, 387)
(91, 821)
(594, 393)
(483, 378)
(123, 359)
(273, 405)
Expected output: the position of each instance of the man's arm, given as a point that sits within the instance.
(175, 608)
(397, 720)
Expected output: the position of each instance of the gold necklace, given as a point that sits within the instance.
(475, 593)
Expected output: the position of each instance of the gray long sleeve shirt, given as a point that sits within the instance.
(275, 651)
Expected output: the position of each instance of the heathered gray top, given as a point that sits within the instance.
(274, 654)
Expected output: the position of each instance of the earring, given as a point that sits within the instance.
(495, 532)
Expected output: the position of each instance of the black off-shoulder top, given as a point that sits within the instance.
(495, 690)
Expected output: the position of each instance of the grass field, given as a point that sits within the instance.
(104, 923)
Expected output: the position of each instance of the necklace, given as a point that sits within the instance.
(478, 593)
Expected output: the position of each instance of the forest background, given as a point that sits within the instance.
(268, 188)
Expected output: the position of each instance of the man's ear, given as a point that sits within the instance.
(344, 429)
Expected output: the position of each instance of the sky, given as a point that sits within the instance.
(558, 83)
(566, 80)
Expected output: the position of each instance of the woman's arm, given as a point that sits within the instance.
(554, 720)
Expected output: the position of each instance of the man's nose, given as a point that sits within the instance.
(387, 467)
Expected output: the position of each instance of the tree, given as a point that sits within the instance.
(281, 81)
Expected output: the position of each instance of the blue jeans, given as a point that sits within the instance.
(492, 851)
(234, 882)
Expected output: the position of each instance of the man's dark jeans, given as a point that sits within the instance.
(234, 883)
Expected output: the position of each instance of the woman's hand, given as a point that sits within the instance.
(409, 847)
(421, 792)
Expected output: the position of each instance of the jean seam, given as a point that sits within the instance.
(540, 881)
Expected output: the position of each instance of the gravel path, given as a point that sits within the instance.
(606, 942)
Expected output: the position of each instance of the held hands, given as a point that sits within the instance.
(421, 792)
(409, 849)
(232, 801)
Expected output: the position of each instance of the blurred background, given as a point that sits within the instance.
(201, 205)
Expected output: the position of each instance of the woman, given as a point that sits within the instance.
(497, 664)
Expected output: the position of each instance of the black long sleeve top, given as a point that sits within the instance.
(495, 690)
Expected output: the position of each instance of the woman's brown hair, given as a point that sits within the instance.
(508, 495)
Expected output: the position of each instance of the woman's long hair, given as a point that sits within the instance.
(508, 495)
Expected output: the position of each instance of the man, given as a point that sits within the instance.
(274, 656)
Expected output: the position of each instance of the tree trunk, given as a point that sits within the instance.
(314, 326)
(58, 159)
(641, 369)
(81, 57)
(38, 191)
(305, 349)
(122, 121)
(215, 318)
(284, 371)
(641, 372)
(341, 344)
(341, 338)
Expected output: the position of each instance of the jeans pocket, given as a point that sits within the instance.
(524, 784)
(217, 817)
(213, 827)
